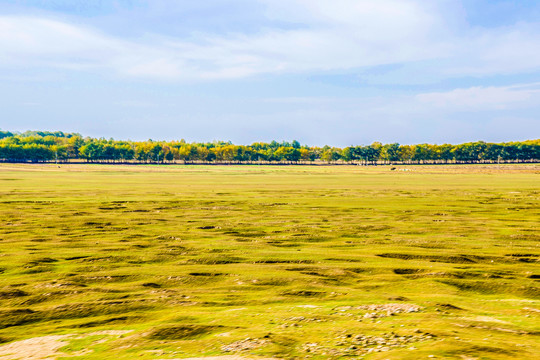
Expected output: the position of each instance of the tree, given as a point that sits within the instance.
(156, 153)
(73, 145)
(405, 153)
(347, 154)
(390, 152)
(92, 151)
(49, 146)
(331, 154)
(444, 152)
(372, 152)
(421, 152)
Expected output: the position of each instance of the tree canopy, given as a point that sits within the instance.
(42, 146)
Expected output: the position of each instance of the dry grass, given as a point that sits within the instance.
(270, 261)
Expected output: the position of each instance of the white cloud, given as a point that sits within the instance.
(460, 115)
(483, 98)
(497, 51)
(433, 107)
(337, 35)
(36, 42)
(22, 38)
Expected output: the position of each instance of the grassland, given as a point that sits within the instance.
(170, 262)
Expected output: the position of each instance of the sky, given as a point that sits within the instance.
(336, 72)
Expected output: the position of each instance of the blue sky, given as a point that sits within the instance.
(337, 72)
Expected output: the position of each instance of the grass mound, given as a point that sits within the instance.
(181, 332)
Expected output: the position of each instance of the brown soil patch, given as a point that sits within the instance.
(46, 347)
(35, 348)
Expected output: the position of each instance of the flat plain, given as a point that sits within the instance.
(290, 262)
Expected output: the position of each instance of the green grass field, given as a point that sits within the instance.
(266, 261)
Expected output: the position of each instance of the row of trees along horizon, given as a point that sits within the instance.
(46, 146)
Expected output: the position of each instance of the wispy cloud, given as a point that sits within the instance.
(493, 113)
(328, 36)
(423, 105)
(483, 98)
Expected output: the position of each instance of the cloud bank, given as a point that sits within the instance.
(339, 72)
(322, 36)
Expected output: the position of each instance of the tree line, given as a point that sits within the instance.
(45, 146)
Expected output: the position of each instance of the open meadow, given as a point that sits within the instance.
(290, 262)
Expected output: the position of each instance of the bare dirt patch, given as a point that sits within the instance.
(46, 347)
(246, 344)
(35, 348)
